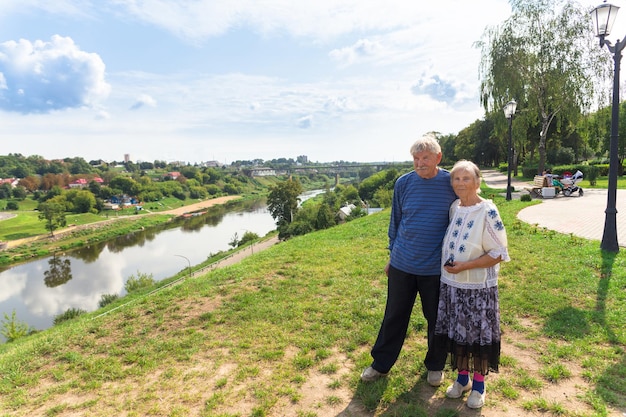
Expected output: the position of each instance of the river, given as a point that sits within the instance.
(40, 290)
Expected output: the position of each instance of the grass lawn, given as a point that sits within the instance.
(287, 331)
(27, 224)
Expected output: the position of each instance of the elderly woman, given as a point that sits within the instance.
(468, 320)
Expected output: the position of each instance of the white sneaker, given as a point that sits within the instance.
(435, 378)
(370, 374)
(456, 390)
(476, 399)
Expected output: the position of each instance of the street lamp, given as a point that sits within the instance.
(603, 19)
(509, 112)
(188, 263)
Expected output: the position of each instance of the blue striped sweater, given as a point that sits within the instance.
(419, 218)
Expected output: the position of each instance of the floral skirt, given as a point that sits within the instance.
(468, 325)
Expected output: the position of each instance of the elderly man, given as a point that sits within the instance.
(419, 218)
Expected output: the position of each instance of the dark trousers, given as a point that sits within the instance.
(402, 290)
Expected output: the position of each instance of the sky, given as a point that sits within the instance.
(228, 80)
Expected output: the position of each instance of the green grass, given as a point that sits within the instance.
(257, 338)
(27, 224)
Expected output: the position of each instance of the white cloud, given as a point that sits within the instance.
(241, 78)
(144, 100)
(43, 76)
(363, 48)
(305, 122)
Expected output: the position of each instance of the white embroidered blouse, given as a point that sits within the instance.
(472, 232)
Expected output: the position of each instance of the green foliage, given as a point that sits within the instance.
(325, 217)
(247, 237)
(381, 180)
(592, 175)
(12, 205)
(53, 214)
(69, 314)
(19, 193)
(13, 329)
(561, 156)
(83, 201)
(138, 282)
(106, 299)
(555, 79)
(383, 197)
(282, 201)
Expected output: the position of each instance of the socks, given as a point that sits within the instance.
(478, 384)
(463, 377)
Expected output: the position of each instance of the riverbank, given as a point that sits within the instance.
(66, 231)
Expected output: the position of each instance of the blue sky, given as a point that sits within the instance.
(226, 80)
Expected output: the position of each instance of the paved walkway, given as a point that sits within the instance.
(581, 216)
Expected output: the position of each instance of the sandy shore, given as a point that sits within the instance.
(200, 205)
(176, 212)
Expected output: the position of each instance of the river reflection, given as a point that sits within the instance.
(41, 289)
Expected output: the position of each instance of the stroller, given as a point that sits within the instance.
(568, 183)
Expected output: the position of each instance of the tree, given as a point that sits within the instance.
(325, 217)
(53, 214)
(83, 201)
(5, 191)
(545, 57)
(282, 201)
(31, 183)
(19, 192)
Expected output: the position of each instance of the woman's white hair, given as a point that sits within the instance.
(469, 166)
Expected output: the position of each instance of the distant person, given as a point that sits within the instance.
(419, 218)
(468, 320)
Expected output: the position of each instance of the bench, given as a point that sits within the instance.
(539, 183)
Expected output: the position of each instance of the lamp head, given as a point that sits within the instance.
(509, 109)
(603, 18)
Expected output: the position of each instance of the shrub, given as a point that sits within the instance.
(592, 174)
(13, 329)
(138, 282)
(525, 197)
(106, 299)
(69, 314)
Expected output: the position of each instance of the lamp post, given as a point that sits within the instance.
(603, 19)
(509, 112)
(188, 263)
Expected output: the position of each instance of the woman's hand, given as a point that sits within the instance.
(485, 261)
(455, 267)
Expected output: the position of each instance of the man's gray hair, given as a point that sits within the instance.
(428, 142)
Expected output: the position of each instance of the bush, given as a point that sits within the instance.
(592, 174)
(106, 299)
(69, 314)
(13, 329)
(12, 205)
(248, 237)
(138, 282)
(525, 197)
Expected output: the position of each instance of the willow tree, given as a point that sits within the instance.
(544, 56)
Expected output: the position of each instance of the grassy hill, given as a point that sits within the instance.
(287, 331)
